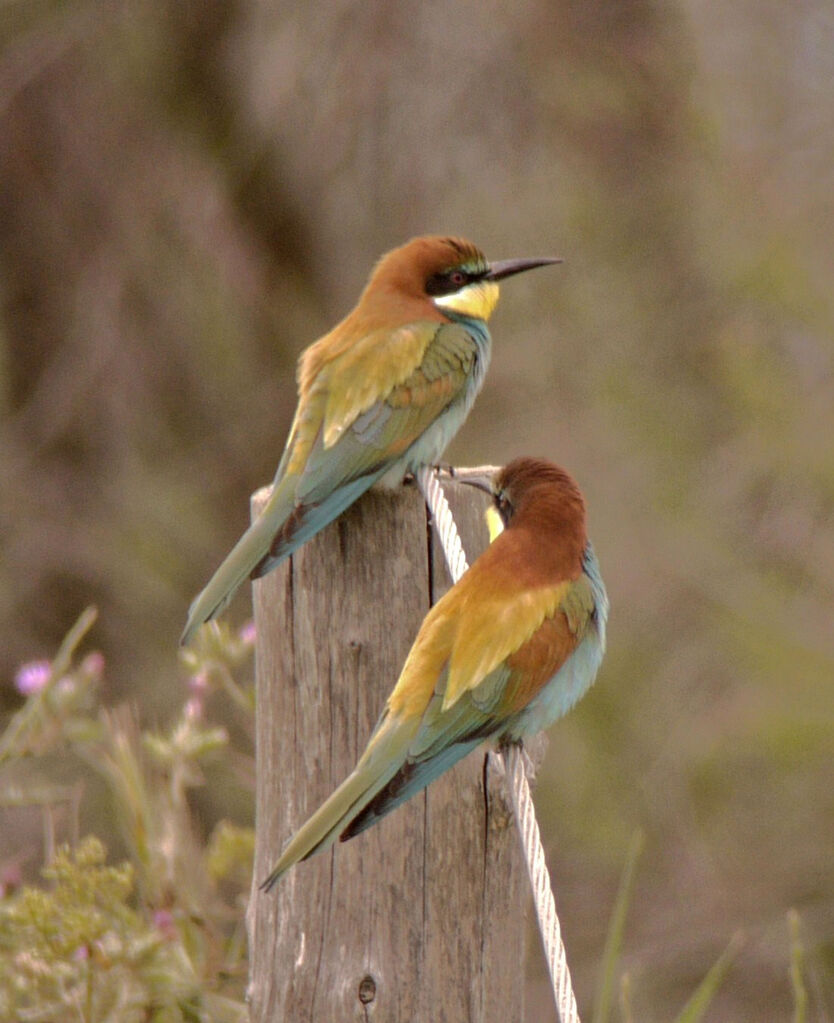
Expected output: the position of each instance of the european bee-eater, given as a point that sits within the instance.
(380, 395)
(508, 650)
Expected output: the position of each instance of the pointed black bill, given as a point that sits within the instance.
(482, 478)
(507, 267)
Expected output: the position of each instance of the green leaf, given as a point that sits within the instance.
(614, 938)
(698, 1004)
(800, 992)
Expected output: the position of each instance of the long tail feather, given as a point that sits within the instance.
(240, 562)
(324, 827)
(257, 552)
(309, 519)
(407, 782)
(380, 762)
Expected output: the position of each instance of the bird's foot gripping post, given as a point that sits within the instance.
(514, 761)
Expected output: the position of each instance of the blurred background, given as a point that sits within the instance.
(192, 192)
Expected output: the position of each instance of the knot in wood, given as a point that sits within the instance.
(367, 990)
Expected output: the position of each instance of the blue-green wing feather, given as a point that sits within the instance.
(390, 434)
(384, 435)
(445, 737)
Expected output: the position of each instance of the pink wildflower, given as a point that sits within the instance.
(93, 664)
(194, 709)
(163, 920)
(32, 677)
(10, 879)
(198, 683)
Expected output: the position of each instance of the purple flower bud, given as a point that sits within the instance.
(163, 920)
(32, 677)
(93, 664)
(65, 686)
(194, 709)
(198, 683)
(247, 634)
(10, 879)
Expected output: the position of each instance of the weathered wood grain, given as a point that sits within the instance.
(421, 918)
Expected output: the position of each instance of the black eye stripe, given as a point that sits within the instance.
(449, 281)
(505, 508)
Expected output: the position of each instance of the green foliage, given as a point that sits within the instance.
(231, 852)
(60, 709)
(79, 950)
(158, 937)
(702, 997)
(696, 1007)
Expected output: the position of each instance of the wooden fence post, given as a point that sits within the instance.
(421, 919)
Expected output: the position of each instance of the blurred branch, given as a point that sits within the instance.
(45, 43)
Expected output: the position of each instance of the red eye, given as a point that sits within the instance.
(457, 277)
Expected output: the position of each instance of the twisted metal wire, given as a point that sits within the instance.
(512, 761)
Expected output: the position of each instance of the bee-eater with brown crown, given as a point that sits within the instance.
(508, 650)
(380, 395)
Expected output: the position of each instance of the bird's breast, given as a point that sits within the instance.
(429, 447)
(558, 696)
(577, 674)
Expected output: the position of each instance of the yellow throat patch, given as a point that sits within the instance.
(476, 300)
(495, 524)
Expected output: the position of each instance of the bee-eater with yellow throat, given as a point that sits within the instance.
(378, 396)
(508, 650)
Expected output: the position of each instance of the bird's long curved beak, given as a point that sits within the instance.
(482, 477)
(507, 267)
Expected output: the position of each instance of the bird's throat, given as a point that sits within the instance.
(476, 301)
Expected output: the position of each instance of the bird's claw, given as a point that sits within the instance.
(502, 760)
